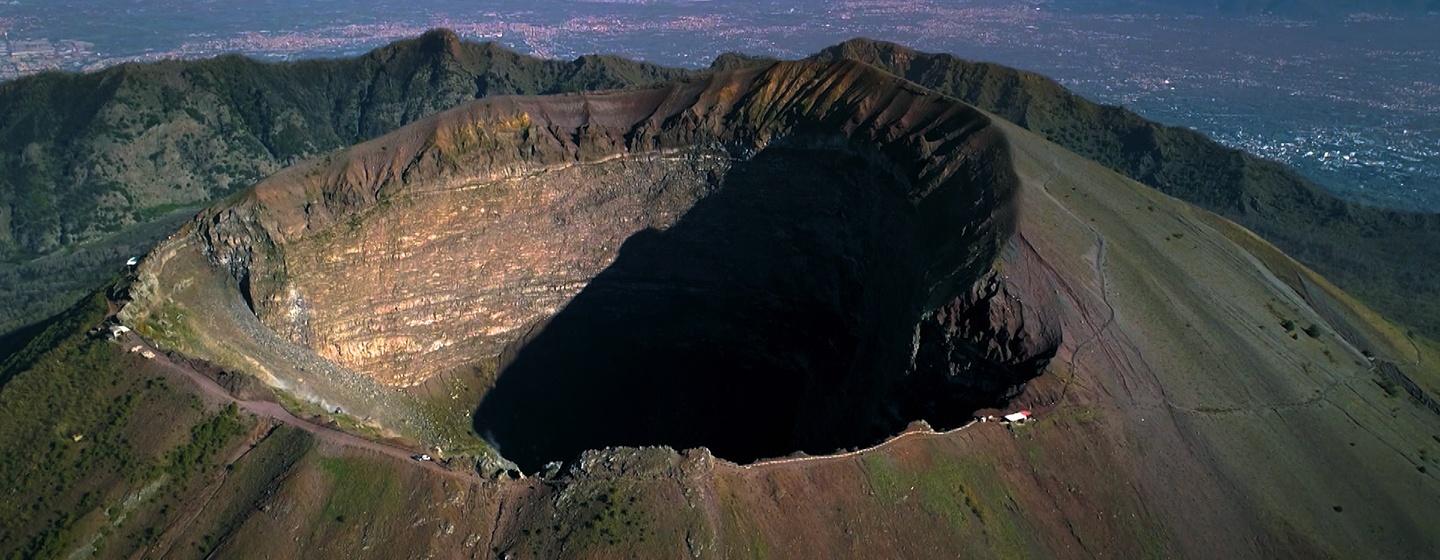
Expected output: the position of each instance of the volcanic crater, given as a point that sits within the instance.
(796, 257)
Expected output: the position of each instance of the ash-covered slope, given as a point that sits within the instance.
(1381, 255)
(740, 261)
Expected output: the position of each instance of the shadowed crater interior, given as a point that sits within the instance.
(792, 309)
(796, 257)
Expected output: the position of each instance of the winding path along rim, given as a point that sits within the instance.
(208, 387)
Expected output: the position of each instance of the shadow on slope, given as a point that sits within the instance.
(777, 315)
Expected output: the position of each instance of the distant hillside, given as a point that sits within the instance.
(1382, 256)
(145, 136)
(90, 159)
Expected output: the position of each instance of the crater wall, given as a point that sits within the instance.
(742, 260)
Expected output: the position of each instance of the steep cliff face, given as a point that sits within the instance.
(738, 261)
(978, 351)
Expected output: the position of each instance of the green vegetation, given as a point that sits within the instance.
(206, 439)
(963, 493)
(41, 287)
(610, 517)
(24, 347)
(88, 441)
(161, 210)
(741, 532)
(940, 488)
(168, 328)
(450, 407)
(596, 515)
(363, 490)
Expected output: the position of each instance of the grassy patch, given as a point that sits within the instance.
(169, 328)
(340, 420)
(362, 490)
(450, 409)
(739, 531)
(967, 495)
(941, 489)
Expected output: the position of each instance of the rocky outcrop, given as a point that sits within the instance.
(978, 351)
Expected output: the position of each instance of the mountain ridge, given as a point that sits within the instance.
(1374, 253)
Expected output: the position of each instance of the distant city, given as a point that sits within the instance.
(1353, 103)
